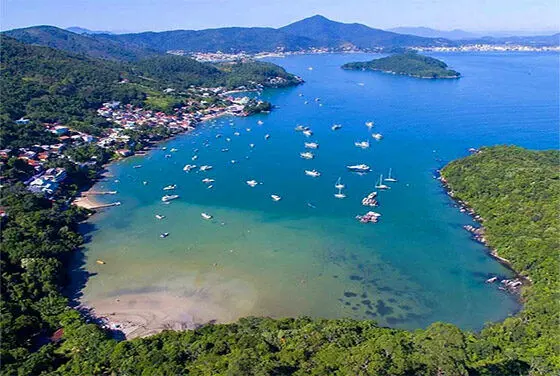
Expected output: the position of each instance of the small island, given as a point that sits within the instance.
(408, 64)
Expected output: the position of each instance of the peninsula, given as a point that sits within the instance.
(408, 64)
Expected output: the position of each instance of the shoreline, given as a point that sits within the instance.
(512, 286)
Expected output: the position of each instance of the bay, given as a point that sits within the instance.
(306, 254)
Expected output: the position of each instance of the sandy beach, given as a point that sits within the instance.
(87, 202)
(141, 315)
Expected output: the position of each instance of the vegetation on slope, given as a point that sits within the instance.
(48, 85)
(98, 46)
(517, 193)
(409, 64)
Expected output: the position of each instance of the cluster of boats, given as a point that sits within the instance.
(369, 201)
(369, 217)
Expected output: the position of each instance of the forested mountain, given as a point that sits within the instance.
(313, 32)
(309, 33)
(94, 46)
(232, 39)
(332, 34)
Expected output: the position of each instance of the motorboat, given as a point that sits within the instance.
(137, 166)
(207, 180)
(369, 124)
(307, 155)
(236, 133)
(189, 167)
(389, 178)
(174, 150)
(251, 145)
(336, 127)
(194, 158)
(159, 216)
(225, 150)
(370, 200)
(206, 216)
(371, 216)
(377, 136)
(266, 136)
(170, 187)
(359, 168)
(275, 197)
(167, 198)
(312, 173)
(362, 144)
(205, 168)
(260, 122)
(308, 132)
(251, 183)
(311, 145)
(164, 235)
(300, 128)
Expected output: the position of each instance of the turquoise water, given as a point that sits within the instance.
(306, 254)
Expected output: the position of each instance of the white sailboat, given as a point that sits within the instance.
(339, 184)
(390, 178)
(339, 194)
(380, 184)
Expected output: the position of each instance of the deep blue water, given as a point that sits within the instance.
(306, 254)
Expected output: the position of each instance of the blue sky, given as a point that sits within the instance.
(142, 15)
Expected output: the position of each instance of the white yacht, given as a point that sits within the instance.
(170, 187)
(311, 145)
(189, 167)
(260, 122)
(308, 132)
(251, 183)
(174, 150)
(275, 197)
(167, 198)
(377, 136)
(389, 178)
(300, 128)
(312, 173)
(369, 124)
(236, 133)
(307, 155)
(359, 168)
(205, 168)
(205, 215)
(380, 184)
(362, 144)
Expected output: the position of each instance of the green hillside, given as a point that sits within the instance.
(408, 64)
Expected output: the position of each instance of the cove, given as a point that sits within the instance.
(306, 254)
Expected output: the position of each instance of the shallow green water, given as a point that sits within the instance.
(306, 254)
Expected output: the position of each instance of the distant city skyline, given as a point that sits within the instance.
(478, 16)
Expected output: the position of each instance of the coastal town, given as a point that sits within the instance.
(131, 129)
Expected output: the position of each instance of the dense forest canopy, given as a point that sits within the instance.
(409, 64)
